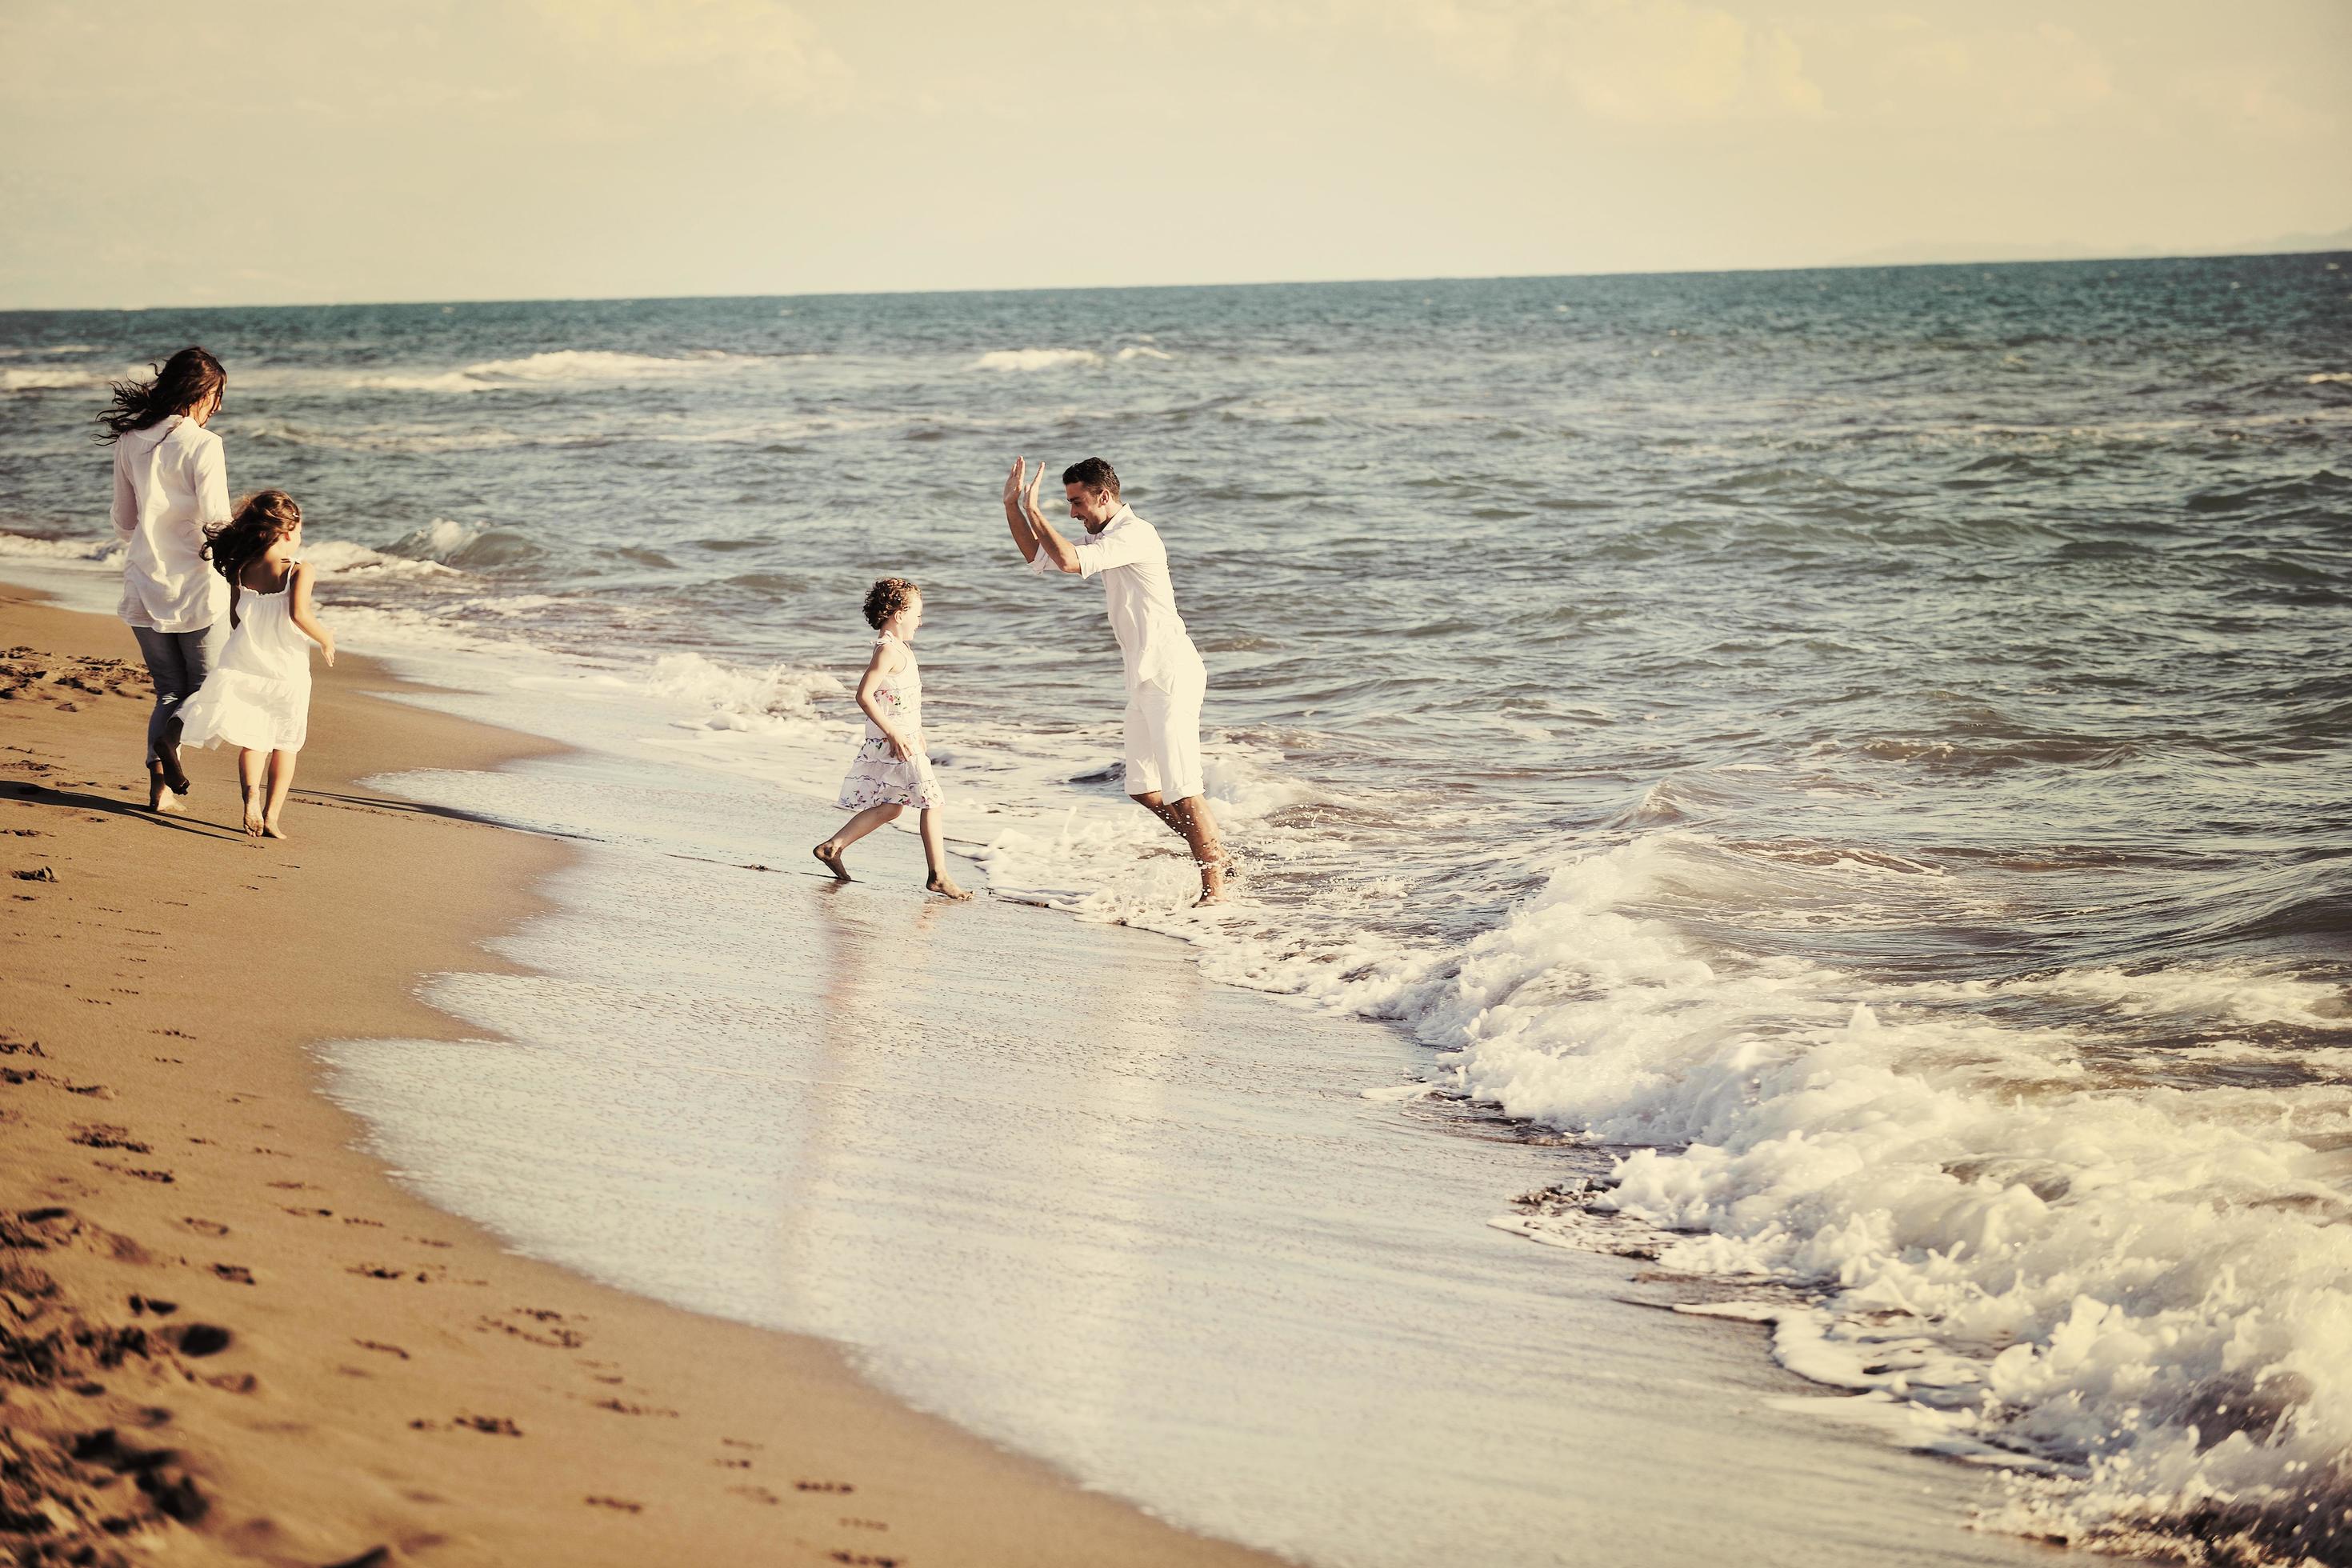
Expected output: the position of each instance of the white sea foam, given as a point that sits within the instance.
(563, 366)
(341, 558)
(2238, 993)
(1035, 359)
(43, 377)
(1142, 351)
(2319, 377)
(2154, 1290)
(105, 551)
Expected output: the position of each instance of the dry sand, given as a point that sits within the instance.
(226, 1335)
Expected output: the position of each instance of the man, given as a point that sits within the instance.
(1165, 678)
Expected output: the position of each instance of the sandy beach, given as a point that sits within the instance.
(231, 1336)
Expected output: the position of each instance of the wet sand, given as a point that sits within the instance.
(228, 1336)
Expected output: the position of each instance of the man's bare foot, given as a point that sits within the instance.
(945, 887)
(829, 854)
(253, 822)
(168, 763)
(1213, 883)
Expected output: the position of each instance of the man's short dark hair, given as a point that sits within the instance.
(1093, 473)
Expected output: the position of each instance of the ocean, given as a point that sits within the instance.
(1845, 769)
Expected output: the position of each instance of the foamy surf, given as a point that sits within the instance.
(2145, 1293)
(559, 367)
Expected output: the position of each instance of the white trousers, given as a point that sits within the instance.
(1163, 736)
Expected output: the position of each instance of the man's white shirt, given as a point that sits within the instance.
(1128, 556)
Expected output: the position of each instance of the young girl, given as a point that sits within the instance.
(891, 771)
(259, 697)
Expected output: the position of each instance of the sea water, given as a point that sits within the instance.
(1859, 755)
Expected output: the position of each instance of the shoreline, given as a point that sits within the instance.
(344, 1372)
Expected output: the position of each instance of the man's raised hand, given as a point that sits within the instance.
(1013, 480)
(1035, 480)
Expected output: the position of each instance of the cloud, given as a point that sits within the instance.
(1905, 68)
(580, 63)
(753, 49)
(1632, 62)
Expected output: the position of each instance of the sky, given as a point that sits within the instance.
(258, 151)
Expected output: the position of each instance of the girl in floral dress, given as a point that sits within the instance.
(891, 771)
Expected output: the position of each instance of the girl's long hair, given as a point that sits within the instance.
(180, 385)
(262, 519)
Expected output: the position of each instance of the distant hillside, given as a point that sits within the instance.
(1931, 253)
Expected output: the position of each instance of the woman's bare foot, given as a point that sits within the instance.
(160, 797)
(254, 825)
(945, 887)
(269, 830)
(829, 854)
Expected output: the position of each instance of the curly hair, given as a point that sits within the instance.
(181, 384)
(261, 520)
(886, 598)
(1094, 474)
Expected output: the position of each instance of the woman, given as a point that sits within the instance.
(169, 483)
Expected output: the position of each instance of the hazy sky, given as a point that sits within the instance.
(266, 150)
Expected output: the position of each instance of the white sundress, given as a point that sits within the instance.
(876, 776)
(259, 695)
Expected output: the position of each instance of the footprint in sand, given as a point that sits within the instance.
(200, 1339)
(104, 1137)
(623, 1504)
(494, 1425)
(204, 1226)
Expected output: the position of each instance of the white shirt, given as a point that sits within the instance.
(1133, 566)
(170, 480)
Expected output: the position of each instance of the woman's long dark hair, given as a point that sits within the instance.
(264, 518)
(181, 384)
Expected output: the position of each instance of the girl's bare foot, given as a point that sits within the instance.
(829, 854)
(253, 822)
(946, 887)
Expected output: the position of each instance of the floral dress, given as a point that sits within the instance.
(876, 776)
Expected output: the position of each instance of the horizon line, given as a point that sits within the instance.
(1856, 266)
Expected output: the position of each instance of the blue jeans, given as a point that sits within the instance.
(177, 662)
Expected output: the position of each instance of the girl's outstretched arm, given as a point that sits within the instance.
(869, 698)
(304, 620)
